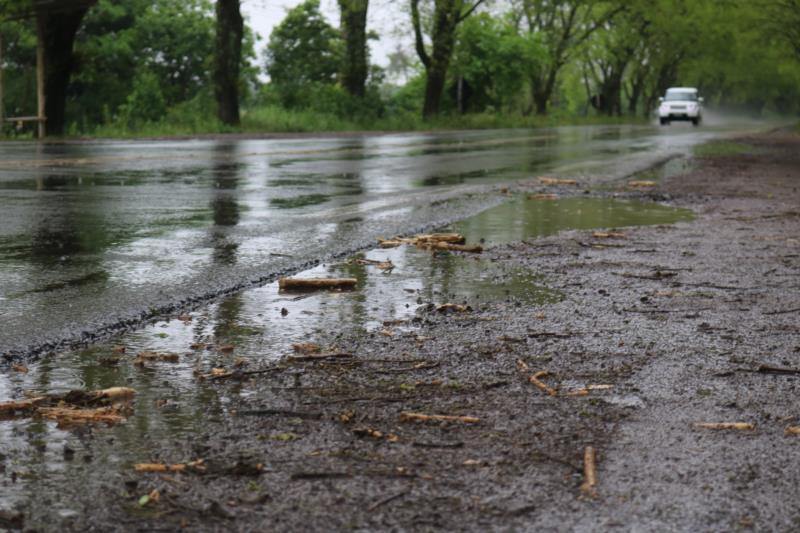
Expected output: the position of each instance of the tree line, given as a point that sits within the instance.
(134, 61)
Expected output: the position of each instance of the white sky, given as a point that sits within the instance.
(386, 17)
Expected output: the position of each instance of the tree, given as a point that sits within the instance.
(492, 61)
(355, 61)
(303, 48)
(447, 15)
(563, 26)
(56, 27)
(227, 60)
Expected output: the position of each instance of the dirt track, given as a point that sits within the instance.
(677, 319)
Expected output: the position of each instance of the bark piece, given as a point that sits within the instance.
(740, 426)
(588, 488)
(540, 384)
(556, 181)
(316, 284)
(406, 416)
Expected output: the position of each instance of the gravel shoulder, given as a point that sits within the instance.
(680, 321)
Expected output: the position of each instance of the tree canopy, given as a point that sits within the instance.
(140, 62)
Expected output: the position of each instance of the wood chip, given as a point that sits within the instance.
(160, 467)
(306, 347)
(411, 417)
(641, 183)
(540, 384)
(741, 426)
(608, 235)
(469, 248)
(588, 488)
(542, 197)
(316, 284)
(793, 430)
(556, 181)
(453, 308)
(107, 415)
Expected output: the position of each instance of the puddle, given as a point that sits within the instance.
(523, 218)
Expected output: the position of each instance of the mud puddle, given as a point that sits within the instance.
(525, 218)
(252, 330)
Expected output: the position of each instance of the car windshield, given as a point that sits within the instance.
(681, 95)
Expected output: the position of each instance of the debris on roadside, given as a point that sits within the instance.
(588, 488)
(452, 242)
(151, 357)
(306, 347)
(740, 426)
(644, 184)
(556, 181)
(321, 356)
(194, 466)
(608, 235)
(406, 416)
(386, 266)
(74, 406)
(316, 284)
(453, 308)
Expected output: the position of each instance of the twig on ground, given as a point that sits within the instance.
(405, 416)
(741, 426)
(588, 488)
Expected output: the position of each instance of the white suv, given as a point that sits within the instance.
(680, 103)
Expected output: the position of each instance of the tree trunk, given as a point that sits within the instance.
(56, 31)
(227, 60)
(434, 87)
(354, 30)
(542, 92)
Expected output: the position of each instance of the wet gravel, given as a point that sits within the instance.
(676, 318)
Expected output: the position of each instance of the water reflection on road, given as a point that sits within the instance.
(93, 234)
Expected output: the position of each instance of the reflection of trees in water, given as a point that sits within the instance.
(70, 226)
(225, 209)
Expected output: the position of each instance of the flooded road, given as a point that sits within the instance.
(98, 235)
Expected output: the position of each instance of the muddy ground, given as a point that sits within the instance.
(677, 319)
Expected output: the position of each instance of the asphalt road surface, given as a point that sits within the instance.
(95, 236)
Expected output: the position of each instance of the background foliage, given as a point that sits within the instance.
(145, 66)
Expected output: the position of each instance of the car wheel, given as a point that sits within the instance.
(664, 121)
(696, 121)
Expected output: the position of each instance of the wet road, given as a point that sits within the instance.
(96, 235)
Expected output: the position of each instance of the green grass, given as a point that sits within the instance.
(275, 119)
(720, 149)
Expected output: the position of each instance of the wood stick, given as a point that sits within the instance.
(109, 416)
(542, 197)
(408, 417)
(793, 430)
(535, 380)
(452, 238)
(115, 393)
(21, 405)
(319, 356)
(316, 284)
(742, 426)
(589, 472)
(641, 183)
(608, 235)
(159, 467)
(470, 248)
(556, 181)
